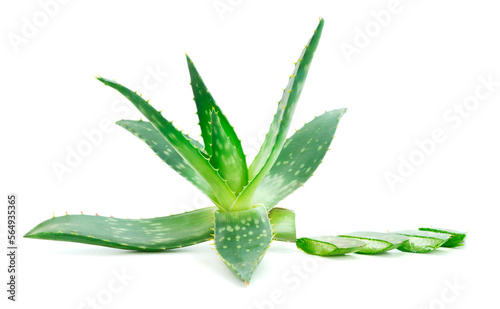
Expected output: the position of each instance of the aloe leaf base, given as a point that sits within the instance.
(242, 238)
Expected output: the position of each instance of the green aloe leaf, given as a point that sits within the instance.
(287, 104)
(242, 238)
(455, 240)
(300, 157)
(283, 223)
(378, 242)
(205, 103)
(422, 241)
(154, 234)
(276, 136)
(329, 245)
(148, 133)
(183, 146)
(225, 158)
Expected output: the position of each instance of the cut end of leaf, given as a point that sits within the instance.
(329, 245)
(422, 241)
(378, 242)
(456, 237)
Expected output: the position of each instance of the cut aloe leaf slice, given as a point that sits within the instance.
(378, 242)
(422, 241)
(454, 241)
(329, 245)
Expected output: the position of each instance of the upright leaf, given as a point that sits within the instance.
(242, 238)
(287, 104)
(225, 157)
(191, 154)
(300, 157)
(205, 103)
(148, 133)
(276, 136)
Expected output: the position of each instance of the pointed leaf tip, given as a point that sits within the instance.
(242, 238)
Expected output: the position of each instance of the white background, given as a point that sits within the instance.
(399, 88)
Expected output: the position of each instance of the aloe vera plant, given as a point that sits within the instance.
(244, 220)
(243, 223)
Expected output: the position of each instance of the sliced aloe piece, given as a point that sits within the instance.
(242, 238)
(421, 241)
(454, 241)
(329, 245)
(155, 234)
(377, 242)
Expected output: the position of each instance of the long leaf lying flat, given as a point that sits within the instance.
(205, 103)
(300, 157)
(148, 133)
(184, 147)
(242, 238)
(225, 157)
(421, 241)
(455, 239)
(329, 245)
(276, 136)
(154, 234)
(378, 242)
